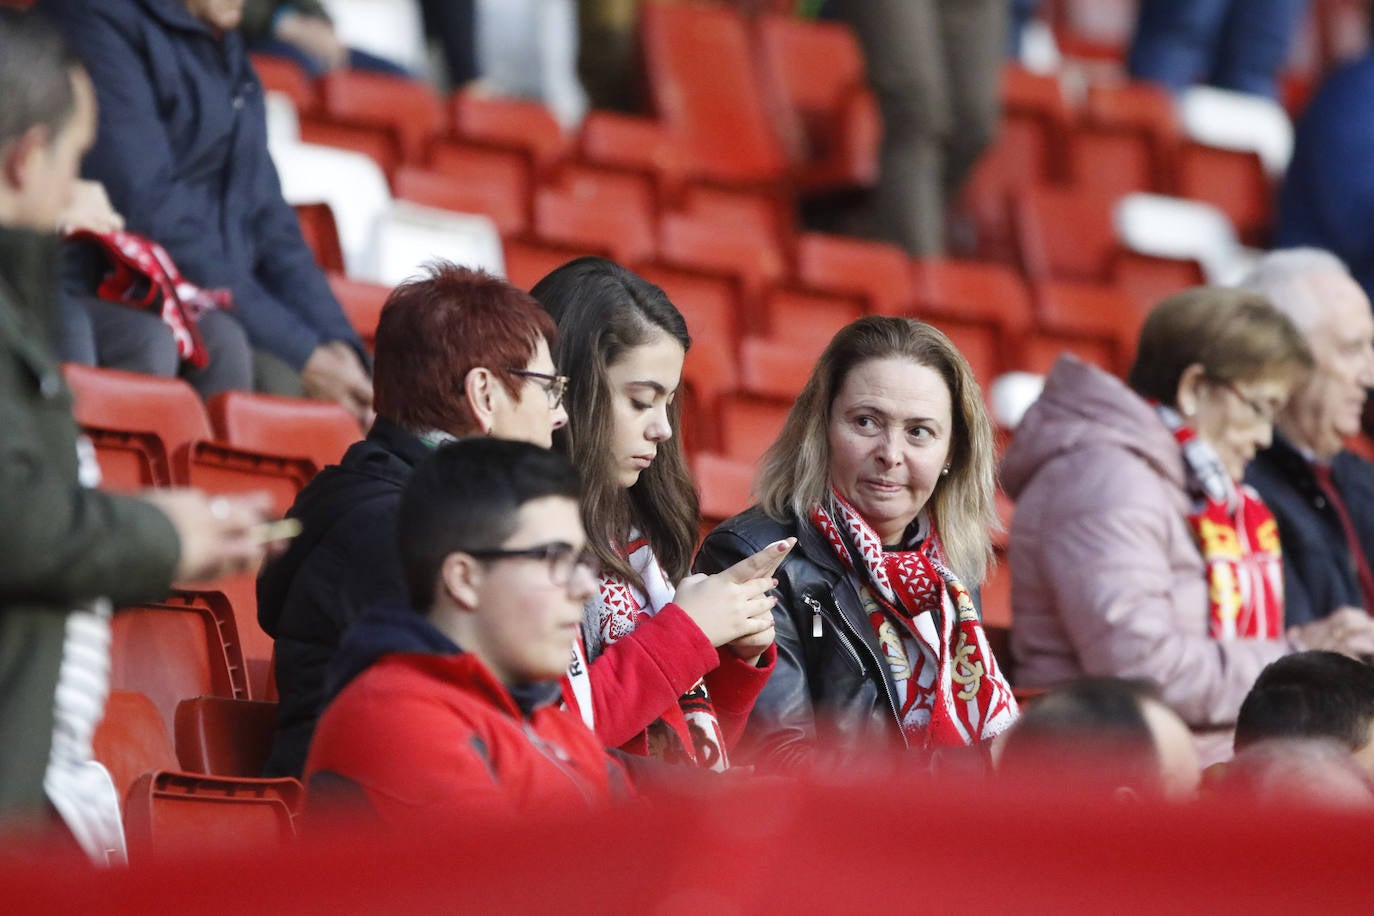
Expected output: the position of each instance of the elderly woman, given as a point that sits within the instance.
(1134, 551)
(884, 474)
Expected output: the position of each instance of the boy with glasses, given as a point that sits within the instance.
(454, 709)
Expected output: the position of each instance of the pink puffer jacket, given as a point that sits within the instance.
(1106, 576)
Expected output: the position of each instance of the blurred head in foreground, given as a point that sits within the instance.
(1103, 736)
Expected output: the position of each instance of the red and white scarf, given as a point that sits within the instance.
(1239, 541)
(949, 685)
(690, 732)
(143, 275)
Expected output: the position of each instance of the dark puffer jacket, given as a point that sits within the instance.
(830, 683)
(344, 562)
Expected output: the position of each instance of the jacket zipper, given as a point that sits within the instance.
(815, 606)
(555, 757)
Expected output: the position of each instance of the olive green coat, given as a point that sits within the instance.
(60, 544)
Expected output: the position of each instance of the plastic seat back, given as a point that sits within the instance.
(877, 271)
(408, 109)
(362, 303)
(132, 739)
(224, 737)
(290, 427)
(184, 647)
(1066, 233)
(515, 124)
(949, 288)
(702, 81)
(723, 485)
(170, 812)
(467, 179)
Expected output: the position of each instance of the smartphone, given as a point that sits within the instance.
(268, 532)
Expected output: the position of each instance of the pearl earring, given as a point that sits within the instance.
(945, 471)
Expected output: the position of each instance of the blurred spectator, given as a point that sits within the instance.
(67, 551)
(1312, 695)
(1307, 772)
(1022, 11)
(182, 151)
(109, 274)
(1321, 494)
(453, 23)
(528, 49)
(300, 31)
(606, 53)
(1135, 552)
(459, 354)
(449, 708)
(1103, 736)
(935, 66)
(1327, 197)
(1231, 44)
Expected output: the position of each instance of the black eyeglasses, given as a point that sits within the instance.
(554, 385)
(562, 559)
(1262, 413)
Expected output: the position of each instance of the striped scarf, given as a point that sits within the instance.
(949, 685)
(1239, 541)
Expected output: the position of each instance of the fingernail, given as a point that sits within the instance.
(782, 546)
(775, 583)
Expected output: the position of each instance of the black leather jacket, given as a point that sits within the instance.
(830, 682)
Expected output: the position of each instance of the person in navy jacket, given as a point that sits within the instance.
(182, 151)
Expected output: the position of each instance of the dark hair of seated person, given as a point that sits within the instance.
(1090, 735)
(36, 67)
(1309, 695)
(465, 497)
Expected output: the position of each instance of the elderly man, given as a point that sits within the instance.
(1321, 494)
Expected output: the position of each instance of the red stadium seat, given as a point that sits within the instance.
(321, 234)
(771, 368)
(632, 143)
(1126, 139)
(701, 245)
(702, 81)
(489, 182)
(1018, 158)
(1098, 29)
(1038, 99)
(1148, 279)
(748, 425)
(498, 178)
(132, 739)
(1037, 351)
(1091, 311)
(814, 72)
(186, 646)
(291, 427)
(509, 124)
(136, 421)
(224, 737)
(877, 271)
(599, 212)
(407, 109)
(529, 262)
(362, 303)
(1232, 180)
(980, 344)
(169, 813)
(1066, 233)
(947, 288)
(376, 142)
(278, 74)
(765, 215)
(807, 321)
(723, 485)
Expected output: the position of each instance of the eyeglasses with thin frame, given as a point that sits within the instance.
(554, 385)
(1262, 413)
(562, 560)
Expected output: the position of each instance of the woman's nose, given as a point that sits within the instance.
(660, 427)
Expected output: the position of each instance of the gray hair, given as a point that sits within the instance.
(1285, 277)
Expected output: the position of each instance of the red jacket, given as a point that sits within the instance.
(639, 678)
(436, 735)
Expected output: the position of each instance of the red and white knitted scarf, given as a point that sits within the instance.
(142, 275)
(949, 685)
(690, 732)
(1239, 541)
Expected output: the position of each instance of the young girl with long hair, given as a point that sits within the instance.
(672, 662)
